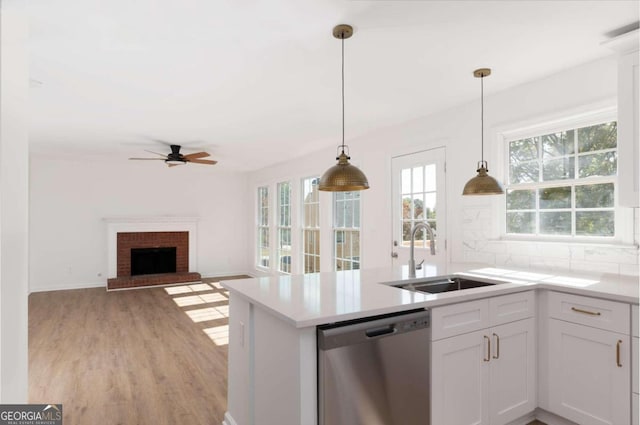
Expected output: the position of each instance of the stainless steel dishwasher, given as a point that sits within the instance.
(375, 371)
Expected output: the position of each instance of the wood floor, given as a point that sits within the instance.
(147, 356)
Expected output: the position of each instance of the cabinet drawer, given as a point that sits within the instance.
(509, 308)
(459, 318)
(602, 314)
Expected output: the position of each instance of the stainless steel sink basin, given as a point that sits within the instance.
(446, 284)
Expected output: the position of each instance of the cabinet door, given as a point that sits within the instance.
(512, 372)
(459, 379)
(589, 374)
(628, 146)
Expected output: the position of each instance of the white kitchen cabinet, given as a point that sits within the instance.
(487, 376)
(460, 380)
(589, 374)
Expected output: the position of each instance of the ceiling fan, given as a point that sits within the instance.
(176, 158)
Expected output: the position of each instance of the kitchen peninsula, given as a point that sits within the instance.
(273, 320)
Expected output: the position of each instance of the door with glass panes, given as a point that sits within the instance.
(418, 193)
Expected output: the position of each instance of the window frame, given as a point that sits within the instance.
(260, 226)
(335, 229)
(283, 227)
(569, 120)
(305, 227)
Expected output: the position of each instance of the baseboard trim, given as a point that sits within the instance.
(68, 287)
(216, 275)
(228, 420)
(552, 419)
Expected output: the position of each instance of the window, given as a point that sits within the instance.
(418, 185)
(263, 227)
(284, 227)
(346, 230)
(563, 183)
(310, 225)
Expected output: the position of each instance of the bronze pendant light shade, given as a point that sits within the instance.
(483, 183)
(343, 177)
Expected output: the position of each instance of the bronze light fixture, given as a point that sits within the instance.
(343, 177)
(483, 183)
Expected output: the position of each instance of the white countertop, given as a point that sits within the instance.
(315, 299)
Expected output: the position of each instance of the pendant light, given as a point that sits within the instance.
(343, 177)
(483, 183)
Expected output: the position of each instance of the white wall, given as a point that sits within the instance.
(472, 221)
(14, 207)
(70, 197)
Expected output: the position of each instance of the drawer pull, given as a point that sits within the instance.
(486, 359)
(618, 353)
(591, 313)
(497, 355)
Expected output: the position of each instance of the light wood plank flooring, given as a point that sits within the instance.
(146, 356)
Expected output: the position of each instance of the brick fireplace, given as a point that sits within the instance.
(126, 234)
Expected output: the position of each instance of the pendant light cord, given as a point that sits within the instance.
(482, 118)
(342, 38)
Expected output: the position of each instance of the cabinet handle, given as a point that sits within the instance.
(618, 353)
(486, 359)
(497, 356)
(591, 313)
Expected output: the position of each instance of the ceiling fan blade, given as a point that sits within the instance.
(196, 155)
(156, 153)
(148, 159)
(173, 165)
(203, 161)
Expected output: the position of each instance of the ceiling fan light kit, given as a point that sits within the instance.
(483, 183)
(343, 177)
(176, 158)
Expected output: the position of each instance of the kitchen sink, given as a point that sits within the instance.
(446, 284)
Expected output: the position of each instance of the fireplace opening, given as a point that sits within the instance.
(153, 260)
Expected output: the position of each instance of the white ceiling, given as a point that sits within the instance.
(258, 81)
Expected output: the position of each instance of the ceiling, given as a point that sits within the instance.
(258, 81)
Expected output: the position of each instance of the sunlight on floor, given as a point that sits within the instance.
(214, 297)
(185, 289)
(219, 334)
(209, 313)
(188, 301)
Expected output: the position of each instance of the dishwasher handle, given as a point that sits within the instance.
(384, 330)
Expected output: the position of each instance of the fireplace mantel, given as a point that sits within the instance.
(117, 225)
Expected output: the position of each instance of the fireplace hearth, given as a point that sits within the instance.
(150, 258)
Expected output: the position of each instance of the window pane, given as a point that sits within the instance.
(430, 206)
(521, 222)
(356, 213)
(348, 213)
(558, 169)
(555, 223)
(600, 164)
(558, 144)
(521, 200)
(594, 196)
(406, 180)
(555, 197)
(526, 172)
(406, 208)
(523, 150)
(598, 137)
(430, 178)
(418, 207)
(595, 223)
(339, 216)
(406, 233)
(418, 180)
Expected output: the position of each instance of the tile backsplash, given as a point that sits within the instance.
(479, 246)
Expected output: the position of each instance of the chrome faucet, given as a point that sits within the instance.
(432, 240)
